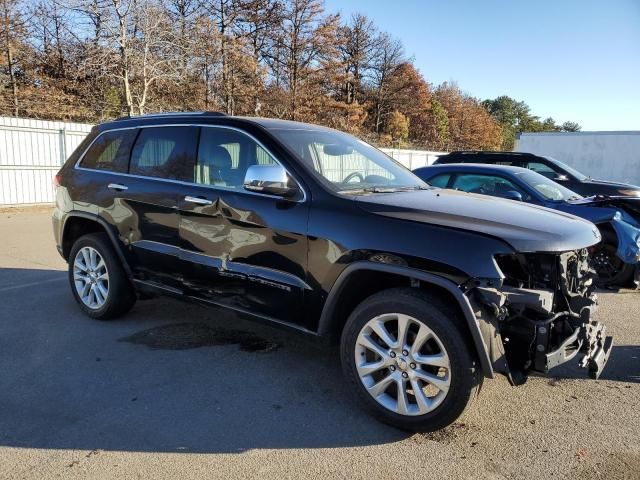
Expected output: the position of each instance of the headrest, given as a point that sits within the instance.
(502, 187)
(215, 156)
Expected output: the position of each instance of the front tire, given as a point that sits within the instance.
(98, 281)
(406, 356)
(611, 270)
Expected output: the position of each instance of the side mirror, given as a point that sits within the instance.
(271, 180)
(561, 178)
(512, 195)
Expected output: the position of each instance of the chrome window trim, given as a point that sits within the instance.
(77, 165)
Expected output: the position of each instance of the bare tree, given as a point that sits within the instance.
(258, 22)
(388, 54)
(357, 42)
(308, 40)
(13, 33)
(183, 12)
(226, 13)
(142, 35)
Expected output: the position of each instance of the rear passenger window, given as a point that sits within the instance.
(110, 151)
(165, 152)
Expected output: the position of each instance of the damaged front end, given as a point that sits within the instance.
(540, 316)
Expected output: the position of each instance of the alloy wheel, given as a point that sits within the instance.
(402, 364)
(606, 263)
(91, 277)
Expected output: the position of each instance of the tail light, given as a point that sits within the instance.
(56, 181)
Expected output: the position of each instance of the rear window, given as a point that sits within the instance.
(165, 152)
(110, 151)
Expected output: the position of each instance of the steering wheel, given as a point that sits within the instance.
(353, 175)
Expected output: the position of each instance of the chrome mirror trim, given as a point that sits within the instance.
(270, 179)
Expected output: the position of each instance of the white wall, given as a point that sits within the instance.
(32, 151)
(602, 155)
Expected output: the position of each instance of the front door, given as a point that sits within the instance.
(240, 249)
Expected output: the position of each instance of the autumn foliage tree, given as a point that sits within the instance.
(92, 60)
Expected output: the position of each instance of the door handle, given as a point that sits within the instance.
(117, 186)
(197, 200)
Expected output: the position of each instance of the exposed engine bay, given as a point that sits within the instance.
(541, 315)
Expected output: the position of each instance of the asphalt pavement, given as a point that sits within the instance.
(174, 390)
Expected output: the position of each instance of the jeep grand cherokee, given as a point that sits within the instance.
(428, 291)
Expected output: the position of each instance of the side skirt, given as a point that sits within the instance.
(178, 294)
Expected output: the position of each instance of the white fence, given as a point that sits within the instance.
(32, 151)
(413, 158)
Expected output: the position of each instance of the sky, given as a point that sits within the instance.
(568, 59)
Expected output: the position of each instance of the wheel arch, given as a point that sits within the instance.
(333, 318)
(77, 224)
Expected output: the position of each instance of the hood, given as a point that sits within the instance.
(527, 228)
(611, 188)
(629, 207)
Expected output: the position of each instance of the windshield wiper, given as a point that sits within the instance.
(383, 189)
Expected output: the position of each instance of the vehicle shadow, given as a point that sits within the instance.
(623, 366)
(168, 377)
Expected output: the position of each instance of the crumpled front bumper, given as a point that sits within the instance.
(544, 339)
(597, 347)
(588, 340)
(628, 240)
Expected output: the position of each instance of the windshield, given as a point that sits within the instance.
(571, 171)
(549, 189)
(346, 164)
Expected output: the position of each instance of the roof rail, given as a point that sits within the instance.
(490, 152)
(172, 114)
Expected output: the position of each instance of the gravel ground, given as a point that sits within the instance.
(175, 390)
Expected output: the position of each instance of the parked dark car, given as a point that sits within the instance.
(428, 291)
(615, 258)
(549, 167)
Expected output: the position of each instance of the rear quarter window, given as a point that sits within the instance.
(110, 151)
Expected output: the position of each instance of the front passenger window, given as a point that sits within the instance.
(440, 181)
(487, 185)
(224, 155)
(543, 169)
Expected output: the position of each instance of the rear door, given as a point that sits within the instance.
(145, 202)
(240, 249)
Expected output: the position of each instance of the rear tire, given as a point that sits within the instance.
(98, 281)
(446, 357)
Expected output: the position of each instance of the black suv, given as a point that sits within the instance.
(549, 167)
(428, 291)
